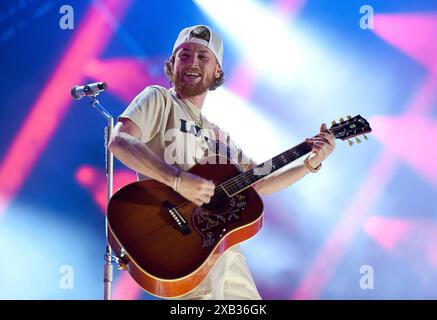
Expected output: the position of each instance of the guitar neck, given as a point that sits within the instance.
(343, 130)
(252, 176)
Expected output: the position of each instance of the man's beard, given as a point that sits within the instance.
(192, 89)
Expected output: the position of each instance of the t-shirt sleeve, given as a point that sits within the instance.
(147, 111)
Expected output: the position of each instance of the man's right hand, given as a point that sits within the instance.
(195, 188)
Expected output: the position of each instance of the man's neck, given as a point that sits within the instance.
(195, 100)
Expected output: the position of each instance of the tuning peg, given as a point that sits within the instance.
(341, 119)
(365, 137)
(348, 117)
(357, 140)
(350, 143)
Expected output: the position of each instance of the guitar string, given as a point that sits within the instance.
(246, 176)
(287, 153)
(240, 178)
(243, 176)
(220, 192)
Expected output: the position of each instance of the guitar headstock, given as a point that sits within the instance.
(349, 128)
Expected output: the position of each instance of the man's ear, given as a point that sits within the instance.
(217, 72)
(171, 61)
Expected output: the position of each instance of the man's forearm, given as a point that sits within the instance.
(281, 181)
(137, 156)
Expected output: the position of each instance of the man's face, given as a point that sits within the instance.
(195, 68)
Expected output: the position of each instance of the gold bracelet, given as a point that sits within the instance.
(177, 180)
(312, 169)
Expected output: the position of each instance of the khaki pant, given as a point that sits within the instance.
(230, 279)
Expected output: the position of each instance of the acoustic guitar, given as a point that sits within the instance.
(169, 244)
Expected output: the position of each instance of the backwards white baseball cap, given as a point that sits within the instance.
(215, 43)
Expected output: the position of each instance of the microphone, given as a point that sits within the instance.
(92, 89)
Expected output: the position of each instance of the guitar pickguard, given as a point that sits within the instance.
(212, 225)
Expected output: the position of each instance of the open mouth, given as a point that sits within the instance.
(192, 75)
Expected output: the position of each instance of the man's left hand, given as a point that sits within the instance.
(322, 146)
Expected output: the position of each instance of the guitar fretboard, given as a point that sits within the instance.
(250, 177)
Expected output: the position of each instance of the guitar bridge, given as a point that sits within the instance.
(177, 217)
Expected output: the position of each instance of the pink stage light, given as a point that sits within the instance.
(412, 139)
(388, 232)
(412, 237)
(413, 34)
(125, 288)
(126, 76)
(328, 257)
(289, 8)
(94, 180)
(52, 105)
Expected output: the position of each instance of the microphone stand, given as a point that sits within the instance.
(109, 162)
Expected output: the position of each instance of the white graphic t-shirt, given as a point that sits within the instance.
(169, 130)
